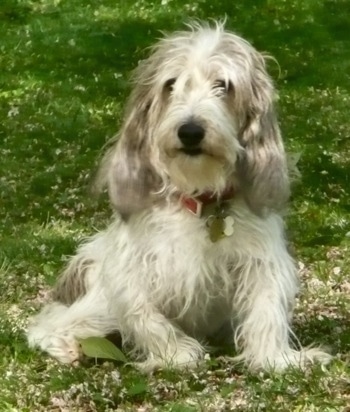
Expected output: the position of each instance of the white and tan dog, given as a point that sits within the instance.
(198, 177)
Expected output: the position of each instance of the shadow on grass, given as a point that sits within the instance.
(330, 333)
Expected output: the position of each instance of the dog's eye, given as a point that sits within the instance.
(169, 84)
(223, 86)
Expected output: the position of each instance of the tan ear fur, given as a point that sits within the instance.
(263, 166)
(126, 168)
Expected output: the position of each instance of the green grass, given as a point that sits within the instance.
(64, 79)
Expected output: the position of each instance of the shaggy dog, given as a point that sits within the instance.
(198, 178)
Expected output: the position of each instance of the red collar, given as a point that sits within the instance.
(195, 204)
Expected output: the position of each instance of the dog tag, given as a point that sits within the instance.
(229, 225)
(216, 227)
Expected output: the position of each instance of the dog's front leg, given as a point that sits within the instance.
(263, 332)
(160, 342)
(263, 303)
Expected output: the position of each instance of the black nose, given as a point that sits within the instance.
(191, 134)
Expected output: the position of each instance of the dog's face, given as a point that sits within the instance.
(202, 90)
(199, 119)
(197, 125)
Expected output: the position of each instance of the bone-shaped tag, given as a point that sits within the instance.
(229, 225)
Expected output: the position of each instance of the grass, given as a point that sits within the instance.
(64, 78)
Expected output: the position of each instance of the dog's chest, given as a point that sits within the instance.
(185, 269)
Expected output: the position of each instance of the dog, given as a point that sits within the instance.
(198, 180)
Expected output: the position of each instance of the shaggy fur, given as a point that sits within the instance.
(199, 120)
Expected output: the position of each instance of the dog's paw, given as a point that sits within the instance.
(61, 346)
(312, 355)
(299, 359)
(291, 358)
(65, 349)
(182, 360)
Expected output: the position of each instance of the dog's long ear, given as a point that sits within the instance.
(126, 167)
(262, 166)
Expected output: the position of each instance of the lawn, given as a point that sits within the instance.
(64, 70)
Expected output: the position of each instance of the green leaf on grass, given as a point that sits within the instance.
(138, 388)
(102, 348)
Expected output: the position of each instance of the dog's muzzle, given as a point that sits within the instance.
(191, 134)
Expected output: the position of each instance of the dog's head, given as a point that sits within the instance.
(200, 118)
